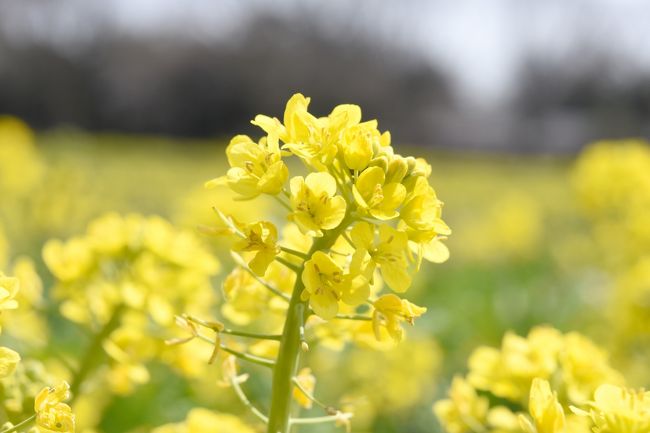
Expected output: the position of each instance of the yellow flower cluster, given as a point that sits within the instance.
(129, 276)
(612, 180)
(52, 414)
(201, 420)
(20, 166)
(519, 373)
(8, 290)
(401, 377)
(364, 210)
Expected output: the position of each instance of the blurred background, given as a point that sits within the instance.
(505, 75)
(128, 105)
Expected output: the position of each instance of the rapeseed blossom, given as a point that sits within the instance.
(52, 413)
(359, 215)
(538, 377)
(128, 275)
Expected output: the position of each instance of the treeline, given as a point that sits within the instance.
(185, 87)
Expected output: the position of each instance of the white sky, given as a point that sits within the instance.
(479, 42)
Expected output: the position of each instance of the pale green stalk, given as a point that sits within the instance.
(290, 346)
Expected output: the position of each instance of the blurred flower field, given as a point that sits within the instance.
(543, 305)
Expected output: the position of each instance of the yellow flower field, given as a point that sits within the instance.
(320, 276)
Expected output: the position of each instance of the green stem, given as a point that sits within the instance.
(242, 264)
(289, 265)
(308, 394)
(241, 355)
(293, 252)
(286, 365)
(352, 317)
(319, 419)
(244, 399)
(234, 332)
(274, 337)
(94, 352)
(20, 425)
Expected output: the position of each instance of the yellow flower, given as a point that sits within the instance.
(8, 291)
(464, 411)
(260, 237)
(585, 367)
(546, 411)
(422, 220)
(200, 420)
(255, 168)
(358, 144)
(390, 312)
(376, 197)
(315, 205)
(129, 348)
(307, 382)
(68, 261)
(388, 252)
(509, 372)
(620, 410)
(312, 139)
(246, 297)
(52, 414)
(326, 285)
(8, 361)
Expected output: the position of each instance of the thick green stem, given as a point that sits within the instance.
(286, 365)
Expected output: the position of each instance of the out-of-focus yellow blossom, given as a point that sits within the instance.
(388, 252)
(261, 238)
(630, 307)
(316, 207)
(326, 285)
(584, 367)
(135, 272)
(464, 410)
(522, 372)
(545, 353)
(401, 377)
(4, 248)
(9, 359)
(20, 165)
(509, 372)
(129, 348)
(26, 323)
(8, 291)
(390, 311)
(619, 410)
(256, 168)
(20, 388)
(201, 420)
(143, 263)
(191, 211)
(376, 197)
(246, 297)
(307, 382)
(545, 410)
(70, 260)
(612, 181)
(514, 221)
(52, 414)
